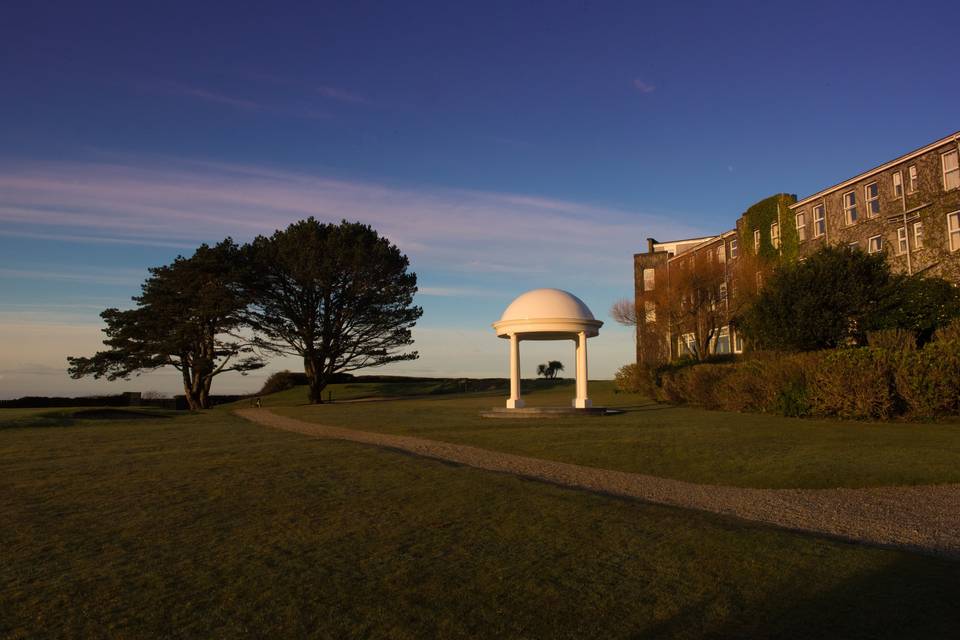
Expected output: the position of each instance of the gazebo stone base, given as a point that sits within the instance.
(546, 412)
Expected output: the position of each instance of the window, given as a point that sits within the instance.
(819, 221)
(756, 241)
(871, 194)
(898, 184)
(850, 206)
(911, 178)
(687, 344)
(875, 244)
(918, 235)
(722, 341)
(737, 342)
(723, 290)
(649, 312)
(775, 235)
(854, 245)
(902, 243)
(722, 253)
(649, 279)
(953, 230)
(734, 248)
(950, 161)
(802, 226)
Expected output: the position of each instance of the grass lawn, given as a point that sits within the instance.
(206, 525)
(748, 450)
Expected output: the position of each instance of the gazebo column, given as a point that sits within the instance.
(582, 401)
(514, 402)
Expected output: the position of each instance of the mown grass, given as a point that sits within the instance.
(715, 447)
(209, 526)
(394, 389)
(68, 416)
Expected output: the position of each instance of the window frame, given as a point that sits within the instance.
(801, 223)
(756, 242)
(874, 202)
(913, 177)
(850, 206)
(903, 242)
(897, 178)
(775, 238)
(722, 253)
(879, 244)
(734, 248)
(821, 221)
(953, 230)
(956, 170)
(652, 279)
(918, 235)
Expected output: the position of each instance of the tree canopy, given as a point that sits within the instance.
(339, 296)
(188, 316)
(836, 296)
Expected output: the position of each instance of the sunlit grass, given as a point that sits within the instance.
(701, 446)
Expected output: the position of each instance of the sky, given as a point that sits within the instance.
(502, 146)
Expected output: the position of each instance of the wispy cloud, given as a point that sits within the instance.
(342, 95)
(458, 292)
(234, 102)
(178, 202)
(219, 98)
(87, 276)
(643, 87)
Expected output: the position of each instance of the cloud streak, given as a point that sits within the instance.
(342, 95)
(643, 87)
(233, 102)
(176, 202)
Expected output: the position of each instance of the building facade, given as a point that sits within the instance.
(907, 208)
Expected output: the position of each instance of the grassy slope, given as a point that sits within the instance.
(67, 416)
(210, 526)
(676, 442)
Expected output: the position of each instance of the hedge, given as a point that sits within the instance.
(890, 378)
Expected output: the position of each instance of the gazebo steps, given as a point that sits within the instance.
(547, 412)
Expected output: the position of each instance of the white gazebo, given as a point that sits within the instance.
(548, 314)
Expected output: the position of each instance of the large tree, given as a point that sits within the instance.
(837, 295)
(693, 301)
(339, 296)
(189, 316)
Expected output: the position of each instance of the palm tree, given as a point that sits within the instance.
(553, 367)
(542, 370)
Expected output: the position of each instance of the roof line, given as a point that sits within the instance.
(866, 174)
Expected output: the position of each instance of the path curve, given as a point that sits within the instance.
(923, 519)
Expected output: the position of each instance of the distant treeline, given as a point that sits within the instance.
(118, 400)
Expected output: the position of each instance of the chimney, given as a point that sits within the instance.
(650, 243)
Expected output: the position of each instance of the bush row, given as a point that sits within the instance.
(887, 379)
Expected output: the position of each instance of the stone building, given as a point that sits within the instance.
(907, 208)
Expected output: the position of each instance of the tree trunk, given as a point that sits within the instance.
(188, 391)
(316, 381)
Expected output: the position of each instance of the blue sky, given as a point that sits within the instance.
(502, 146)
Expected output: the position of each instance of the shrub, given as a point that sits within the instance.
(635, 378)
(281, 381)
(929, 379)
(855, 383)
(894, 341)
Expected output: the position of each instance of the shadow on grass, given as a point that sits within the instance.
(71, 418)
(906, 598)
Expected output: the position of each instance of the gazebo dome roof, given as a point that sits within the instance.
(540, 304)
(547, 314)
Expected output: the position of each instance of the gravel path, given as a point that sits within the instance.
(924, 519)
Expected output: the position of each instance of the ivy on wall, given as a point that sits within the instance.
(760, 216)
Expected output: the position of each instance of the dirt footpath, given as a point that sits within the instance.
(925, 519)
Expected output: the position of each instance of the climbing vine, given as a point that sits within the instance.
(763, 214)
